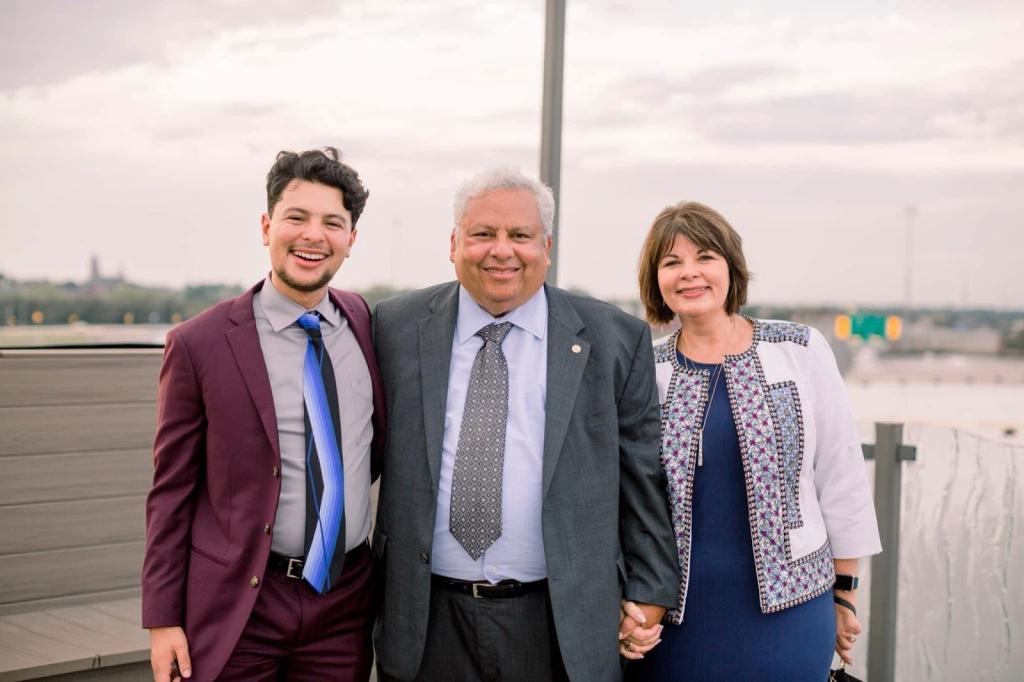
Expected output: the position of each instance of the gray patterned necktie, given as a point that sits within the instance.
(476, 481)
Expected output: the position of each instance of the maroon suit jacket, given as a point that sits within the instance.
(217, 475)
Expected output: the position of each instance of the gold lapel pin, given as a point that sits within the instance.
(576, 348)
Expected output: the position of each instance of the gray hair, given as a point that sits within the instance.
(506, 178)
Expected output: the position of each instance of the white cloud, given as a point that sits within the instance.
(154, 158)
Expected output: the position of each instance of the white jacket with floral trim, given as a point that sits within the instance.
(807, 492)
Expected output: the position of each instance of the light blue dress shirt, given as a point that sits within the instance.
(519, 552)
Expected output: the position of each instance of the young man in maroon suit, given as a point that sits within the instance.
(269, 432)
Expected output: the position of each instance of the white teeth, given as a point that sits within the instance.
(310, 256)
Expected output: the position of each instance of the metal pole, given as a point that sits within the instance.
(888, 452)
(551, 116)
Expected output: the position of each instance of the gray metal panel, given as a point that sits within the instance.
(68, 378)
(47, 478)
(81, 523)
(39, 575)
(76, 428)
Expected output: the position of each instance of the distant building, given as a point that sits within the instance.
(97, 283)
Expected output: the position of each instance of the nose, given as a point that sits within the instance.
(502, 246)
(688, 270)
(313, 230)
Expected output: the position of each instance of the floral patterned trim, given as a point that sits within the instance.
(686, 400)
(781, 581)
(776, 332)
(666, 350)
(804, 579)
(789, 432)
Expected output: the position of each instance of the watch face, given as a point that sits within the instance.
(846, 582)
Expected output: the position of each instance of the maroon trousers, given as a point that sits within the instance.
(296, 634)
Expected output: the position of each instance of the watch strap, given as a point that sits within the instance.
(846, 583)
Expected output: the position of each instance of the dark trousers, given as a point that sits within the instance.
(296, 634)
(489, 640)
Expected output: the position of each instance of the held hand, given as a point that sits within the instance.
(640, 629)
(168, 654)
(847, 630)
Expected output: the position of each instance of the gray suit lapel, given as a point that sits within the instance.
(435, 348)
(567, 357)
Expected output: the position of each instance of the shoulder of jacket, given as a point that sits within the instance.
(783, 331)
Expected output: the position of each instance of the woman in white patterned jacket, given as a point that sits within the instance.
(766, 480)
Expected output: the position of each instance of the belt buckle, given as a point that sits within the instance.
(476, 591)
(297, 563)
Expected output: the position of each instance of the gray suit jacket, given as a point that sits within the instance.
(605, 513)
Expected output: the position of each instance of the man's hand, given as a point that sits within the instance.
(847, 629)
(640, 628)
(168, 654)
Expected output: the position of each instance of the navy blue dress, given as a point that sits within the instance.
(724, 635)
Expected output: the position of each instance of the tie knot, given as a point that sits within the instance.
(310, 322)
(495, 332)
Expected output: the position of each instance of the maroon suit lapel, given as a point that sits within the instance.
(245, 344)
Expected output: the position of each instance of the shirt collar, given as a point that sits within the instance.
(283, 311)
(531, 316)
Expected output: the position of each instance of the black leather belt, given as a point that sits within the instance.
(485, 590)
(291, 566)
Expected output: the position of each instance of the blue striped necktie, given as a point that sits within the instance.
(325, 473)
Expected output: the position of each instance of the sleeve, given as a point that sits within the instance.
(178, 454)
(645, 527)
(840, 476)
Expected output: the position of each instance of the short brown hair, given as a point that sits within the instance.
(706, 228)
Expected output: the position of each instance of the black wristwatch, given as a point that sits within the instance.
(846, 583)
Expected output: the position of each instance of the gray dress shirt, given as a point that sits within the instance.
(284, 349)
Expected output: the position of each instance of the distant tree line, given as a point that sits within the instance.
(117, 301)
(42, 302)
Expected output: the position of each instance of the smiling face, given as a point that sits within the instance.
(694, 282)
(500, 250)
(309, 235)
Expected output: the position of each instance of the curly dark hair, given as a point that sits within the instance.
(317, 165)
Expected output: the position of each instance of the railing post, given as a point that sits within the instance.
(888, 452)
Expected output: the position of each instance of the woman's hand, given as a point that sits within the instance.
(847, 631)
(636, 635)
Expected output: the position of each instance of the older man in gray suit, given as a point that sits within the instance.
(522, 494)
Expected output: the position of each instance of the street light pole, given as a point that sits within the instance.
(551, 116)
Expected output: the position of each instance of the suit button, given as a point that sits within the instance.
(266, 529)
(277, 472)
(254, 581)
(424, 557)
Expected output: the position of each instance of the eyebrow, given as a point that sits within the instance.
(305, 212)
(487, 226)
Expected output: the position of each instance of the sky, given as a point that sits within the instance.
(826, 133)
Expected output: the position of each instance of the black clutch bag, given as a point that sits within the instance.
(840, 675)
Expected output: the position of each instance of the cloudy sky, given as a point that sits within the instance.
(142, 130)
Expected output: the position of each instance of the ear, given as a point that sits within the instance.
(352, 237)
(547, 248)
(265, 228)
(454, 239)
